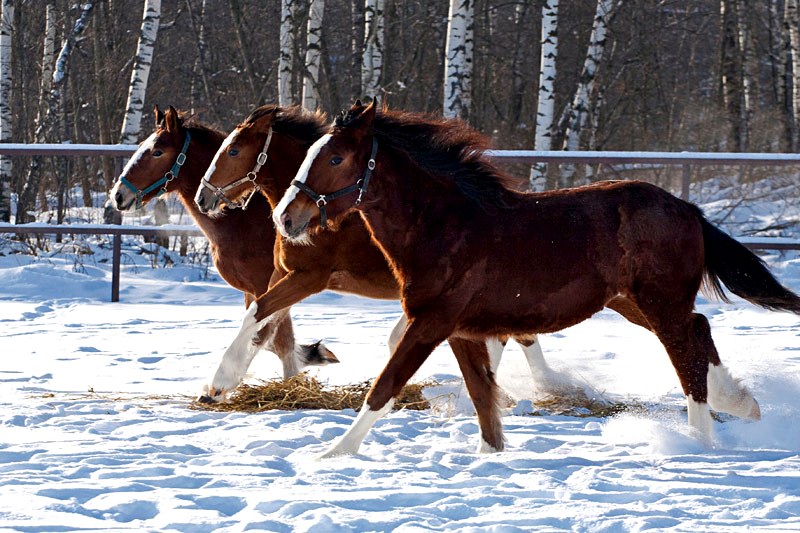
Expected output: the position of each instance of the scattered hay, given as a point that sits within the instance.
(583, 407)
(307, 392)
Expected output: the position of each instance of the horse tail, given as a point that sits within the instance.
(729, 262)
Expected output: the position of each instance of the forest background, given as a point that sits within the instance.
(644, 75)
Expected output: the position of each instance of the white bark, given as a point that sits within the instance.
(6, 29)
(547, 97)
(792, 19)
(748, 60)
(313, 55)
(372, 60)
(580, 108)
(286, 57)
(141, 71)
(458, 61)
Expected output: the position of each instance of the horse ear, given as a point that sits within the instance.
(369, 113)
(159, 115)
(357, 103)
(172, 119)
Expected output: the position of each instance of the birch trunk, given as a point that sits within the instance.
(200, 91)
(356, 45)
(249, 71)
(141, 71)
(313, 55)
(286, 57)
(777, 62)
(52, 89)
(747, 60)
(6, 29)
(792, 20)
(104, 112)
(458, 61)
(547, 97)
(372, 61)
(581, 103)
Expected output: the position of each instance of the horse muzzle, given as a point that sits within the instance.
(206, 201)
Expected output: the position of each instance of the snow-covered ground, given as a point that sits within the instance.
(97, 432)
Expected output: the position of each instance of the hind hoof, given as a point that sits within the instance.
(755, 412)
(205, 398)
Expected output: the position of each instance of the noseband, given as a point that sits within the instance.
(219, 192)
(361, 186)
(164, 181)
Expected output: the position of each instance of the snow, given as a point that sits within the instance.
(97, 431)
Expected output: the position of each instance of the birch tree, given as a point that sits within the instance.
(6, 28)
(792, 21)
(546, 103)
(578, 111)
(458, 59)
(200, 91)
(137, 89)
(313, 55)
(286, 57)
(372, 61)
(51, 95)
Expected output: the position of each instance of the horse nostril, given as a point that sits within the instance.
(286, 222)
(118, 198)
(200, 201)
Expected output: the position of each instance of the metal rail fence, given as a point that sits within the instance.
(684, 159)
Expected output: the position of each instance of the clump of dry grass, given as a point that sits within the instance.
(307, 392)
(583, 407)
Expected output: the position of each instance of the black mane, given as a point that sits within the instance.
(294, 121)
(448, 150)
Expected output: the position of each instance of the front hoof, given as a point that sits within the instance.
(211, 395)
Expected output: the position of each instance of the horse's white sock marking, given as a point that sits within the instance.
(495, 349)
(397, 332)
(700, 420)
(239, 354)
(302, 176)
(728, 395)
(349, 443)
(485, 447)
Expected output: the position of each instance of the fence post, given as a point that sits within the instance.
(117, 245)
(117, 256)
(687, 179)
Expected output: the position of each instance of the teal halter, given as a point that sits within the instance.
(164, 181)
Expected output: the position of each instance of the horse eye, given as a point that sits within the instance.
(233, 152)
(157, 153)
(336, 160)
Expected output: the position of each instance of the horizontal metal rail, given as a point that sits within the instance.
(754, 243)
(104, 229)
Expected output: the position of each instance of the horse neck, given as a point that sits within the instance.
(399, 202)
(286, 156)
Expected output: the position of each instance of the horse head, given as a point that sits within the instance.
(155, 164)
(334, 175)
(233, 176)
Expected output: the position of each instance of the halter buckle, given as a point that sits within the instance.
(262, 158)
(181, 159)
(371, 164)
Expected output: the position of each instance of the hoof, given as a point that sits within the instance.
(205, 398)
(755, 412)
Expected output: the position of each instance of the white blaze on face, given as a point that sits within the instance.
(146, 145)
(302, 175)
(225, 144)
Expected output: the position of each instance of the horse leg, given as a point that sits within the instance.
(419, 339)
(475, 361)
(294, 357)
(261, 314)
(397, 332)
(725, 394)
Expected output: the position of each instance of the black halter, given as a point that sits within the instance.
(361, 186)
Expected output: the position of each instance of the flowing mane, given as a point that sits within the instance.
(448, 150)
(305, 126)
(200, 129)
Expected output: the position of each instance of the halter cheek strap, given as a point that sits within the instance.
(361, 186)
(164, 180)
(219, 192)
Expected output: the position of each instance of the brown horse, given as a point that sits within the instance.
(263, 153)
(173, 159)
(476, 259)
